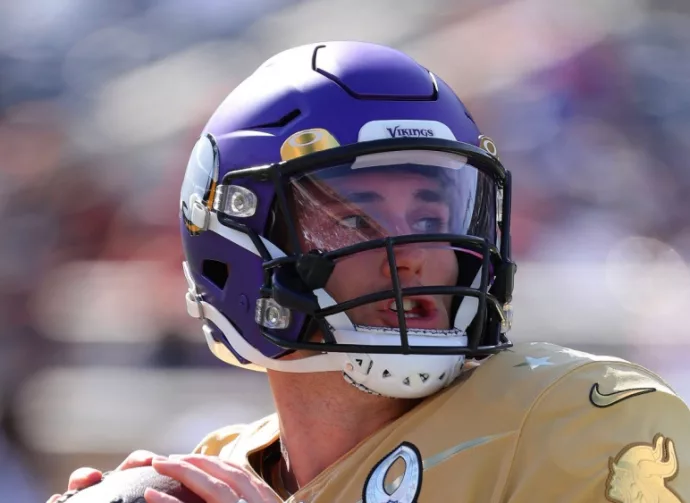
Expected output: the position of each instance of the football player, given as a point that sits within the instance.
(346, 228)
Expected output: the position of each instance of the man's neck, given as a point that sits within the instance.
(317, 429)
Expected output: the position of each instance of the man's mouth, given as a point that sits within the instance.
(419, 312)
(413, 308)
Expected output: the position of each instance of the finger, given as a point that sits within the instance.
(82, 478)
(54, 498)
(138, 458)
(235, 476)
(209, 488)
(153, 496)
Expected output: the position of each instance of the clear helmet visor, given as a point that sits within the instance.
(392, 194)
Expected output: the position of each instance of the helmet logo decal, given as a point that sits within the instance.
(199, 184)
(488, 145)
(380, 130)
(306, 142)
(641, 471)
(398, 132)
(385, 483)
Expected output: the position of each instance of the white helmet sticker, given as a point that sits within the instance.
(379, 130)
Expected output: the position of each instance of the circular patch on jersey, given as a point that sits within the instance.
(396, 478)
(200, 179)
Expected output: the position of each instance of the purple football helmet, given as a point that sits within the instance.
(341, 200)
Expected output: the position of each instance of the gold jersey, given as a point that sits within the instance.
(537, 423)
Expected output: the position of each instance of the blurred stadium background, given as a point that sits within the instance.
(100, 104)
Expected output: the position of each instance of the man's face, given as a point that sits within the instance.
(370, 205)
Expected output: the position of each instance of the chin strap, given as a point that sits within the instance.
(199, 309)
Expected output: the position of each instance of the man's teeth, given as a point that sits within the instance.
(408, 305)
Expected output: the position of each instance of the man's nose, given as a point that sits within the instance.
(409, 260)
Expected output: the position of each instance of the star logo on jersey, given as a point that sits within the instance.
(603, 400)
(641, 472)
(535, 363)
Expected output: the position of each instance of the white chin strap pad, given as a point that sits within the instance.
(401, 376)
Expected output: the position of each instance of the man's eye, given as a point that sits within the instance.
(428, 225)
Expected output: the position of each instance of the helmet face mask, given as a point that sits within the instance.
(379, 258)
(450, 207)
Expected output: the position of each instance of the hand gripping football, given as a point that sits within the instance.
(128, 486)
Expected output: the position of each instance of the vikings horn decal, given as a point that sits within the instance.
(199, 184)
(380, 486)
(640, 472)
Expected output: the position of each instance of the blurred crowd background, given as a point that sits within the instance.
(101, 102)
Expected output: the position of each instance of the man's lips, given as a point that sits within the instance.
(419, 312)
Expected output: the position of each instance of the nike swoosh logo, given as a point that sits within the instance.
(602, 400)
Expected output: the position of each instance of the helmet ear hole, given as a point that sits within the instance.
(216, 272)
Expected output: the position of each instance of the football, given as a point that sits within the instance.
(128, 486)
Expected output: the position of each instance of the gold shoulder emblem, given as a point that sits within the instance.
(641, 471)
